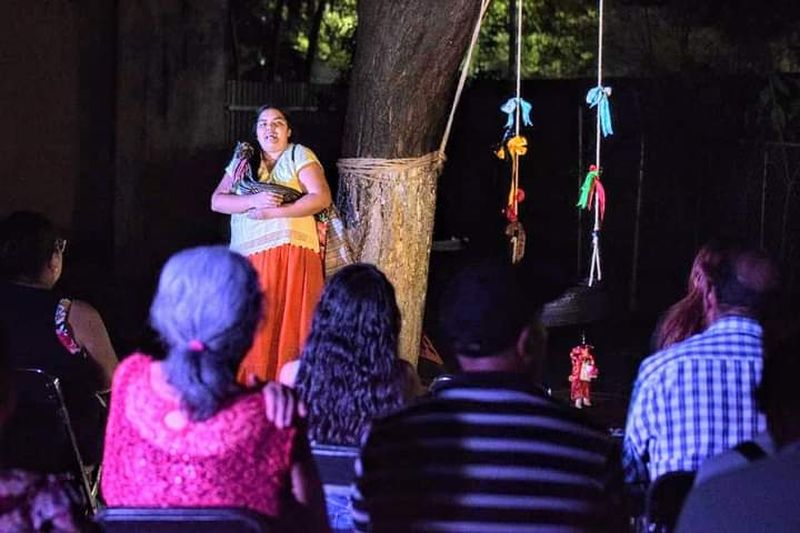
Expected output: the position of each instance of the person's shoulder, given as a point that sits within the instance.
(653, 367)
(82, 312)
(303, 154)
(136, 364)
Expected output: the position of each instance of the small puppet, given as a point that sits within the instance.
(583, 372)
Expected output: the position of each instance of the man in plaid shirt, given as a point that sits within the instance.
(695, 398)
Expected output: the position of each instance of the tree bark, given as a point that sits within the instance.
(402, 86)
(404, 73)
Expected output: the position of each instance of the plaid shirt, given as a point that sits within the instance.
(694, 400)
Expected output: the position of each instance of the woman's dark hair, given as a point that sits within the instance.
(349, 370)
(255, 159)
(688, 316)
(206, 310)
(263, 108)
(27, 242)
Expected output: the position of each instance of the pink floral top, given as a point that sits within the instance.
(156, 457)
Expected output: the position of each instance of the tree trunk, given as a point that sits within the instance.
(313, 37)
(275, 37)
(402, 86)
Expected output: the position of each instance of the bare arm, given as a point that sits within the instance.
(316, 198)
(224, 201)
(91, 334)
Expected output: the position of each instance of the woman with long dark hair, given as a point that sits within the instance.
(350, 371)
(276, 230)
(688, 316)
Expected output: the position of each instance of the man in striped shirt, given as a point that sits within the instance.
(490, 451)
(695, 399)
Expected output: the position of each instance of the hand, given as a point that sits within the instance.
(282, 406)
(262, 213)
(266, 199)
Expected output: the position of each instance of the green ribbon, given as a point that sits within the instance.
(586, 188)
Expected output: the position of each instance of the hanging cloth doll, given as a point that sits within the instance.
(583, 372)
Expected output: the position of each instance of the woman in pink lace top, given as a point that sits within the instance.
(181, 432)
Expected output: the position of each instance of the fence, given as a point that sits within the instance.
(242, 98)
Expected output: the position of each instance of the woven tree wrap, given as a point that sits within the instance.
(388, 209)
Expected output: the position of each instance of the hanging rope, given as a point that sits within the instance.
(519, 113)
(463, 79)
(592, 194)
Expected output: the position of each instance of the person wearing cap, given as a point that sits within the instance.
(490, 450)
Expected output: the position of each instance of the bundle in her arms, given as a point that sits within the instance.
(334, 248)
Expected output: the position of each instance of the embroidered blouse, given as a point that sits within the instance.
(250, 236)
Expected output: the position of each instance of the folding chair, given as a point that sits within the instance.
(665, 499)
(176, 520)
(40, 435)
(336, 466)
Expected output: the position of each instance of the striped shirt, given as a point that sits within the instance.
(487, 453)
(694, 400)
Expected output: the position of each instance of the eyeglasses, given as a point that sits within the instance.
(61, 245)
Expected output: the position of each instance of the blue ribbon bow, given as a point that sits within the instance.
(598, 96)
(510, 108)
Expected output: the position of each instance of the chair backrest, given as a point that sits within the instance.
(665, 499)
(39, 435)
(438, 382)
(336, 464)
(174, 520)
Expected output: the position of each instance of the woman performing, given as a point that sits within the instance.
(279, 237)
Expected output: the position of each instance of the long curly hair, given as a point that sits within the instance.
(206, 310)
(688, 316)
(349, 369)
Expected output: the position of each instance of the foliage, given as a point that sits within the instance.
(559, 39)
(336, 35)
(271, 38)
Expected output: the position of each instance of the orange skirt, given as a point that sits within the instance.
(291, 278)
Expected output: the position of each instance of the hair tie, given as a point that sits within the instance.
(195, 345)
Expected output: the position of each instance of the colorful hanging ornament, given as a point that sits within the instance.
(592, 189)
(512, 147)
(584, 371)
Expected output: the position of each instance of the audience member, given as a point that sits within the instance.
(695, 399)
(44, 329)
(349, 370)
(763, 495)
(490, 451)
(31, 501)
(181, 432)
(689, 316)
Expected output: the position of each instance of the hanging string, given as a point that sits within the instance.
(518, 111)
(516, 153)
(592, 187)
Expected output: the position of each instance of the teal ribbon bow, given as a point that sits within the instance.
(598, 96)
(510, 109)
